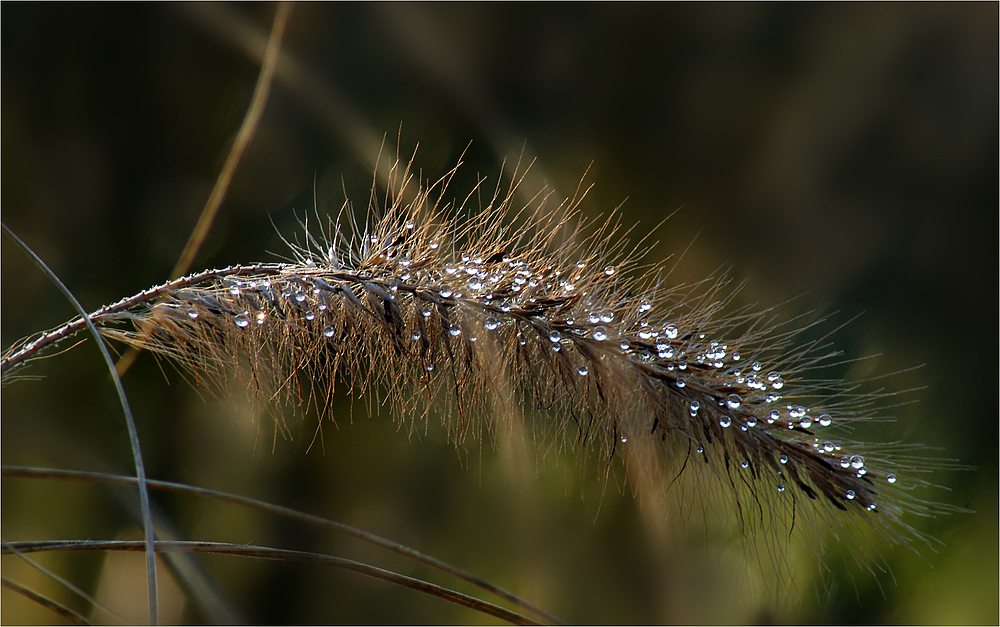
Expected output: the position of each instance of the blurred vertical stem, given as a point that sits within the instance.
(243, 138)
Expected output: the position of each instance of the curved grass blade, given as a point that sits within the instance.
(79, 475)
(271, 553)
(133, 435)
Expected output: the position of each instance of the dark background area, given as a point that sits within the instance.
(843, 154)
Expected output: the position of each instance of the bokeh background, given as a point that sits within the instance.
(842, 154)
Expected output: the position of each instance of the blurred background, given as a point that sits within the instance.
(842, 154)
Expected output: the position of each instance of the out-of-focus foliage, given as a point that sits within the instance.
(847, 152)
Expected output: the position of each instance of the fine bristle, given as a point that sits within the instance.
(481, 318)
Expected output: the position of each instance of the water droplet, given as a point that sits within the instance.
(744, 464)
(829, 447)
(430, 367)
(857, 461)
(825, 420)
(871, 507)
(446, 293)
(679, 383)
(609, 270)
(300, 296)
(556, 348)
(607, 315)
(454, 329)
(434, 245)
(624, 439)
(193, 314)
(600, 333)
(850, 495)
(425, 311)
(774, 415)
(694, 407)
(737, 356)
(796, 411)
(328, 331)
(725, 421)
(781, 487)
(751, 422)
(491, 323)
(521, 340)
(261, 316)
(415, 335)
(624, 344)
(594, 317)
(700, 449)
(671, 331)
(583, 370)
(845, 462)
(475, 283)
(666, 353)
(555, 336)
(242, 320)
(783, 458)
(581, 265)
(645, 305)
(756, 366)
(234, 290)
(734, 401)
(682, 365)
(806, 422)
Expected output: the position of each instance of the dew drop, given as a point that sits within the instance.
(450, 268)
(781, 487)
(890, 478)
(415, 335)
(521, 340)
(680, 383)
(871, 507)
(624, 439)
(666, 353)
(725, 421)
(555, 336)
(475, 283)
(857, 462)
(845, 462)
(593, 317)
(850, 495)
(796, 411)
(583, 371)
(744, 464)
(806, 422)
(783, 459)
(310, 316)
(446, 293)
(491, 323)
(600, 333)
(751, 422)
(756, 366)
(671, 331)
(607, 315)
(242, 320)
(737, 356)
(624, 345)
(434, 245)
(700, 449)
(645, 305)
(300, 296)
(609, 270)
(829, 447)
(454, 329)
(693, 408)
(734, 401)
(261, 316)
(193, 314)
(430, 367)
(328, 331)
(774, 415)
(825, 420)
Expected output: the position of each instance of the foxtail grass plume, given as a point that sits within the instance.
(479, 318)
